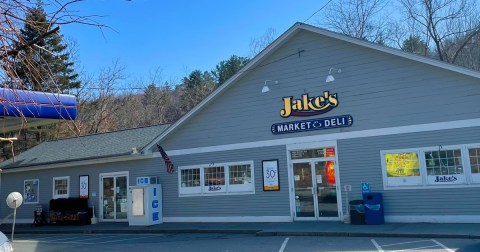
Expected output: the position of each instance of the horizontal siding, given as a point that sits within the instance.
(379, 90)
(359, 161)
(259, 204)
(274, 203)
(11, 182)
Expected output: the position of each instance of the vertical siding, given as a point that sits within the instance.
(359, 161)
(379, 90)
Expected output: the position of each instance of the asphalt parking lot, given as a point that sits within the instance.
(233, 242)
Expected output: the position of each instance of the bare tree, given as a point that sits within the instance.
(258, 44)
(363, 19)
(98, 101)
(449, 24)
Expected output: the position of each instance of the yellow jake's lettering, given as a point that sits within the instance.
(308, 106)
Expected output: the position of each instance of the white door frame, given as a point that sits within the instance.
(291, 189)
(100, 198)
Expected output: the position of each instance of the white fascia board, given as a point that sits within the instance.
(77, 163)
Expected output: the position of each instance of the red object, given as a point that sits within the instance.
(168, 162)
(330, 171)
(330, 152)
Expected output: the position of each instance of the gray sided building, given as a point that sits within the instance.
(278, 143)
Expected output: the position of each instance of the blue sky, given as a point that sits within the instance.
(178, 36)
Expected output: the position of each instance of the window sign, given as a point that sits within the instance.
(30, 193)
(84, 186)
(270, 175)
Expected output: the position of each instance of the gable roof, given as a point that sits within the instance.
(89, 147)
(282, 39)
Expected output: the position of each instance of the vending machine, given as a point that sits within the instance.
(146, 205)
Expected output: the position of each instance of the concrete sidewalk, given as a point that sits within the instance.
(330, 228)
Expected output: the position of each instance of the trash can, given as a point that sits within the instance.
(373, 208)
(357, 212)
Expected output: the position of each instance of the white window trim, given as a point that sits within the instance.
(38, 191)
(468, 178)
(60, 196)
(229, 189)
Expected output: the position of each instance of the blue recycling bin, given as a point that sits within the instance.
(373, 203)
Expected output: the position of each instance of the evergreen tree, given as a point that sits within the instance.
(46, 65)
(227, 68)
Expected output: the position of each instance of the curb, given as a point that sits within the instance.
(248, 231)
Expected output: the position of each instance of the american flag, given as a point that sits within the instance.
(168, 162)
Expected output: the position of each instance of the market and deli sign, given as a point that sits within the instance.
(313, 124)
(308, 106)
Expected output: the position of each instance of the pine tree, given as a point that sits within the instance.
(46, 65)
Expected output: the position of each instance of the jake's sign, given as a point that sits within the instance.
(308, 106)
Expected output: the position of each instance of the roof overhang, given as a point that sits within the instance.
(95, 161)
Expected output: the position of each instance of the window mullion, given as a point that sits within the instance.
(423, 166)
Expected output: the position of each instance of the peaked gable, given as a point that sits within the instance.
(260, 61)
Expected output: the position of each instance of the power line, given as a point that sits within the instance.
(325, 5)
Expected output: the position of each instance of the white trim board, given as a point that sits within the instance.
(432, 218)
(331, 137)
(230, 219)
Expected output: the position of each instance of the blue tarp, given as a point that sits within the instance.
(17, 103)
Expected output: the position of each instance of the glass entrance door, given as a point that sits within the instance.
(114, 198)
(315, 189)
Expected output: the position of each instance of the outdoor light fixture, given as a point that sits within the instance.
(266, 88)
(330, 76)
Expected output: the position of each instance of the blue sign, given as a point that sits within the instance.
(155, 216)
(143, 180)
(313, 124)
(154, 203)
(365, 187)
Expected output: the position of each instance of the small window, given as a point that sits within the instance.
(190, 181)
(60, 187)
(474, 157)
(215, 179)
(30, 193)
(240, 178)
(402, 168)
(444, 167)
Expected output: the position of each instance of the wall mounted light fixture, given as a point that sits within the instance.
(330, 77)
(266, 88)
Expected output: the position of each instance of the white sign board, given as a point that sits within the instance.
(270, 175)
(84, 186)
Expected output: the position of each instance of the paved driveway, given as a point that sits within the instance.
(233, 242)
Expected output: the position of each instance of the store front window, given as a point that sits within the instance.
(60, 187)
(218, 178)
(431, 166)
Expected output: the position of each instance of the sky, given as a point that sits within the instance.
(177, 36)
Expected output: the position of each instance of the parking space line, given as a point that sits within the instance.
(401, 243)
(96, 238)
(284, 244)
(376, 245)
(412, 249)
(443, 246)
(128, 239)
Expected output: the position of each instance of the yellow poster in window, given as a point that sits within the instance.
(402, 164)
